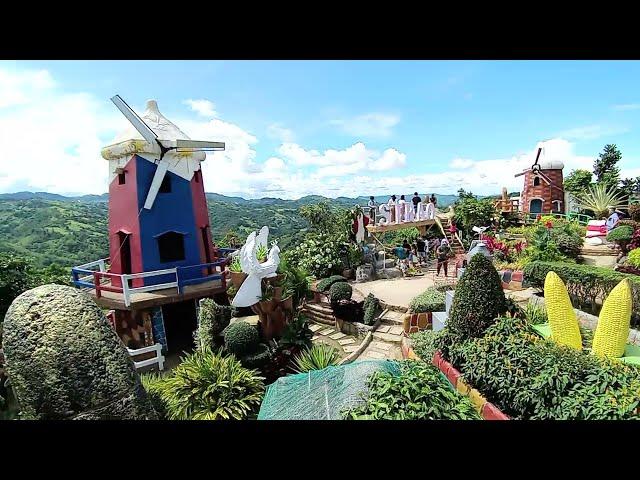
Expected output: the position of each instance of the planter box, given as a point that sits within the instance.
(356, 329)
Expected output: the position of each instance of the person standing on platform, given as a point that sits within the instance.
(392, 209)
(415, 200)
(434, 200)
(372, 209)
(401, 202)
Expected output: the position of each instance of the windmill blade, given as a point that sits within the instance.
(191, 145)
(144, 129)
(155, 183)
(522, 173)
(538, 155)
(545, 178)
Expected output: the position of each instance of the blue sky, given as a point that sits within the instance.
(323, 127)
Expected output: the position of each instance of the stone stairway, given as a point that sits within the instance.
(386, 340)
(319, 313)
(456, 246)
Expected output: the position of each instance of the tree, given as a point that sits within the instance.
(605, 167)
(14, 279)
(578, 181)
(473, 212)
(628, 187)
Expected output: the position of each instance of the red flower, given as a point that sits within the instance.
(548, 224)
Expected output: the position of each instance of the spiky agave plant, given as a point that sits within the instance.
(317, 357)
(599, 199)
(209, 385)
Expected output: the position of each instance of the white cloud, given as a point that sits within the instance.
(591, 132)
(278, 132)
(369, 125)
(202, 107)
(18, 88)
(626, 107)
(461, 163)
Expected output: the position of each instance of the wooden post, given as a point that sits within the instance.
(96, 282)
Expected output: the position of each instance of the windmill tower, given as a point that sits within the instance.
(161, 255)
(543, 190)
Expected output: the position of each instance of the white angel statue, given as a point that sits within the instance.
(251, 289)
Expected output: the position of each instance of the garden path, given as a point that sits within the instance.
(395, 293)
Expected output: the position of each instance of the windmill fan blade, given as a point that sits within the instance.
(198, 145)
(521, 173)
(156, 183)
(144, 129)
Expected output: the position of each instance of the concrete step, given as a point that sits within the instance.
(387, 337)
(322, 308)
(315, 314)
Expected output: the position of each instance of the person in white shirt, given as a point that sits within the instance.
(372, 209)
(392, 208)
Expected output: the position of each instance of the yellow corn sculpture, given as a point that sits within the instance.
(614, 322)
(562, 319)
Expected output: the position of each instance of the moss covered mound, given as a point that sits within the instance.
(65, 361)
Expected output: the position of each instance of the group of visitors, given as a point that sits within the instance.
(393, 201)
(418, 253)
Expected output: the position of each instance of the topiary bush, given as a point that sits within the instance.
(325, 284)
(479, 299)
(153, 383)
(240, 338)
(65, 361)
(211, 386)
(569, 245)
(370, 307)
(213, 319)
(634, 257)
(623, 233)
(340, 291)
(257, 359)
(431, 300)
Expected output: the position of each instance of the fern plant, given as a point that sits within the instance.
(317, 357)
(211, 386)
(599, 199)
(235, 266)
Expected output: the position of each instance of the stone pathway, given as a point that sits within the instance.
(344, 344)
(386, 339)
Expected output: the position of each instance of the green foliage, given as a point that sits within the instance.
(317, 357)
(211, 386)
(531, 378)
(634, 213)
(585, 283)
(478, 300)
(153, 383)
(235, 265)
(296, 282)
(473, 212)
(420, 392)
(14, 279)
(214, 319)
(396, 237)
(241, 338)
(340, 291)
(578, 181)
(568, 245)
(535, 313)
(326, 283)
(598, 199)
(605, 167)
(424, 343)
(371, 307)
(258, 358)
(623, 233)
(318, 254)
(261, 253)
(297, 333)
(431, 300)
(634, 257)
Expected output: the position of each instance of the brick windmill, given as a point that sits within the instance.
(543, 190)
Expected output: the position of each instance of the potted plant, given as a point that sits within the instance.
(261, 253)
(267, 303)
(236, 273)
(287, 295)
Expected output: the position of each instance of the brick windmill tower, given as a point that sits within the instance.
(161, 256)
(543, 190)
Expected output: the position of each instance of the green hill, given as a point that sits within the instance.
(54, 229)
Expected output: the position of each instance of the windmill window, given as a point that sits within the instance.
(121, 179)
(171, 247)
(536, 181)
(165, 187)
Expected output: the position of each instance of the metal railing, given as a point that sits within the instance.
(101, 280)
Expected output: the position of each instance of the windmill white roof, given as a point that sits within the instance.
(551, 164)
(130, 141)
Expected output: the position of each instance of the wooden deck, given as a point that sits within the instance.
(139, 301)
(421, 224)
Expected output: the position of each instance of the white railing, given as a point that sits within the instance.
(91, 266)
(127, 290)
(159, 358)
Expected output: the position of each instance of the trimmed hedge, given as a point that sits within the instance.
(585, 283)
(623, 233)
(431, 300)
(325, 284)
(340, 291)
(370, 307)
(241, 338)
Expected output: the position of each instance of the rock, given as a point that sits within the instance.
(364, 273)
(66, 362)
(389, 273)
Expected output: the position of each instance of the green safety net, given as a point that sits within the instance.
(321, 394)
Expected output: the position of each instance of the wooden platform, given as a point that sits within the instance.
(139, 301)
(421, 224)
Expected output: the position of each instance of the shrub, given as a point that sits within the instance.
(535, 313)
(623, 233)
(431, 300)
(317, 357)
(153, 383)
(424, 343)
(634, 257)
(258, 358)
(240, 338)
(371, 307)
(479, 299)
(634, 212)
(568, 245)
(297, 333)
(634, 224)
(213, 320)
(211, 386)
(585, 283)
(326, 283)
(318, 254)
(531, 378)
(419, 392)
(340, 291)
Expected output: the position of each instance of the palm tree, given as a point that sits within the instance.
(599, 199)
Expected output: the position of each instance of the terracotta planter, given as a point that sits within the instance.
(287, 303)
(267, 306)
(237, 278)
(277, 293)
(273, 280)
